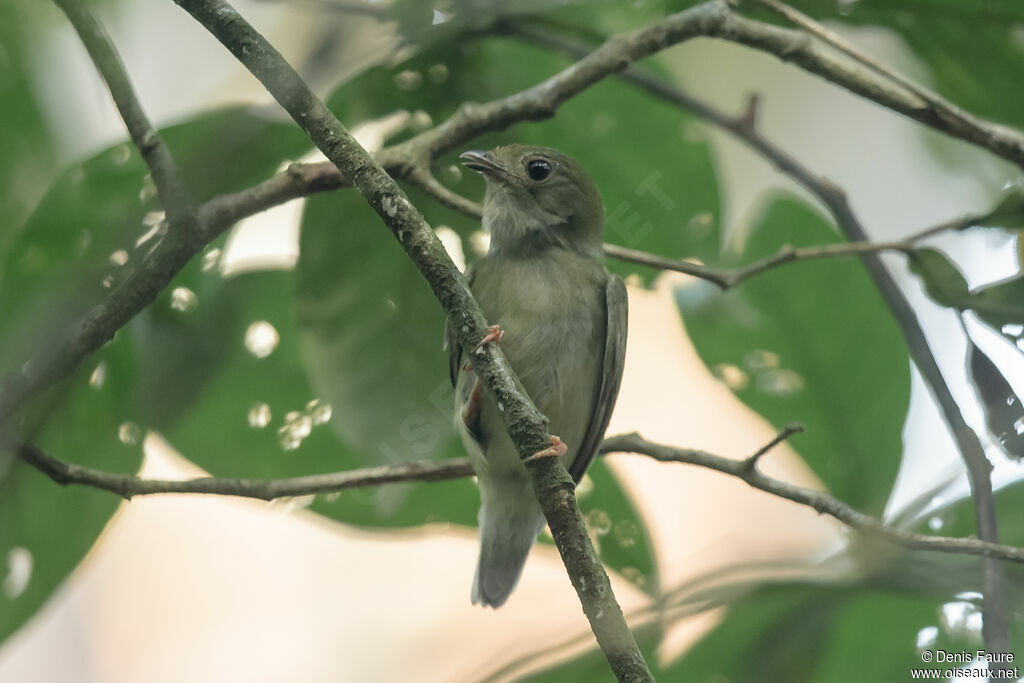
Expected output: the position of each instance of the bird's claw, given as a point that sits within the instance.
(557, 449)
(494, 334)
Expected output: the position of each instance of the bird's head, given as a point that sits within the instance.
(537, 196)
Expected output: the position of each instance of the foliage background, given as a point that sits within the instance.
(359, 331)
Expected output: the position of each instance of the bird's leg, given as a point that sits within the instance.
(556, 449)
(494, 334)
(471, 413)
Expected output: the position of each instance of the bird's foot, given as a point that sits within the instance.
(494, 334)
(471, 413)
(557, 449)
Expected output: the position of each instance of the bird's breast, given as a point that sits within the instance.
(552, 311)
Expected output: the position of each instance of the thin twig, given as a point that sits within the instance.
(726, 278)
(169, 185)
(818, 500)
(526, 425)
(128, 486)
(750, 463)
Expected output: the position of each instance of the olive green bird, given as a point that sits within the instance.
(562, 321)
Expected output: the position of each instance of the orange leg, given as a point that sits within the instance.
(494, 334)
(557, 449)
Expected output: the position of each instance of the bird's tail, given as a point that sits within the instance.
(505, 542)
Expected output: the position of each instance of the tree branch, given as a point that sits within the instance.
(169, 186)
(128, 486)
(832, 38)
(726, 278)
(526, 425)
(797, 47)
(818, 500)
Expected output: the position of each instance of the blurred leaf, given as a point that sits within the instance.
(262, 375)
(1008, 213)
(1002, 307)
(95, 223)
(53, 272)
(372, 333)
(824, 634)
(777, 634)
(231, 148)
(814, 343)
(26, 150)
(56, 525)
(941, 279)
(587, 668)
(621, 536)
(1004, 414)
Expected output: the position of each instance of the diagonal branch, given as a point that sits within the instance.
(169, 186)
(796, 47)
(832, 38)
(526, 425)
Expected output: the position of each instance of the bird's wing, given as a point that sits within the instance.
(617, 307)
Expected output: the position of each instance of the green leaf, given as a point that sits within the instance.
(825, 634)
(1008, 213)
(587, 668)
(56, 525)
(52, 273)
(27, 153)
(777, 634)
(1002, 307)
(619, 532)
(811, 342)
(372, 333)
(942, 280)
(95, 223)
(1004, 412)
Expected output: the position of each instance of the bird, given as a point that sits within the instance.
(560, 318)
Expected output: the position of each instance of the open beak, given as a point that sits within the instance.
(481, 162)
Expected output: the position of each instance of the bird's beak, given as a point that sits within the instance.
(481, 162)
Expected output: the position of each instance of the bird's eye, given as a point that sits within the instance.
(538, 169)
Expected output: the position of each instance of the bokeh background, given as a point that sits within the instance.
(305, 342)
